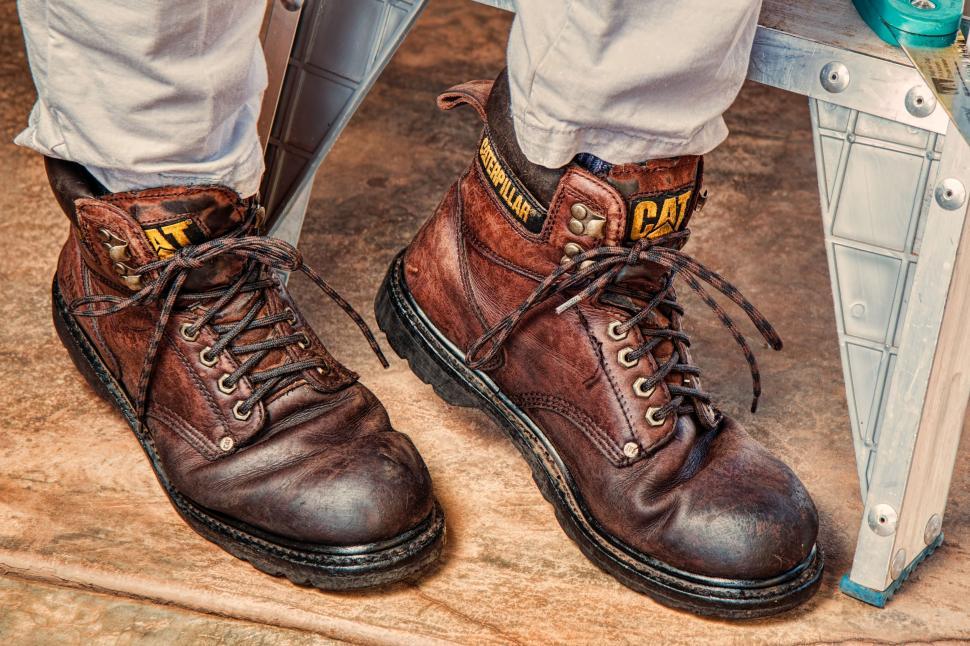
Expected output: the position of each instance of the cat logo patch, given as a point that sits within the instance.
(658, 215)
(169, 238)
(509, 190)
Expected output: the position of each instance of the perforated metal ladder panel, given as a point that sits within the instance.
(340, 49)
(874, 176)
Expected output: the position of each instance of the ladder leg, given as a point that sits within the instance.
(894, 204)
(903, 518)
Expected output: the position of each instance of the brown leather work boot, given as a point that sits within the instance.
(170, 305)
(544, 297)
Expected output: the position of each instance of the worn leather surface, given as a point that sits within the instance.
(316, 461)
(696, 491)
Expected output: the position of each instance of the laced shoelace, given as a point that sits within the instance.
(602, 273)
(261, 253)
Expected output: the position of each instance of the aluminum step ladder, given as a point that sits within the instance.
(892, 178)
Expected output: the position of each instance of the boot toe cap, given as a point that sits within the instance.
(746, 516)
(345, 478)
(377, 488)
(744, 535)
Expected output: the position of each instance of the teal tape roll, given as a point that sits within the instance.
(919, 23)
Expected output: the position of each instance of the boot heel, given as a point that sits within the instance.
(408, 345)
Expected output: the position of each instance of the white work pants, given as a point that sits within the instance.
(147, 93)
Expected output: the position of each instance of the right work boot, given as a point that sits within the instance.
(171, 304)
(545, 298)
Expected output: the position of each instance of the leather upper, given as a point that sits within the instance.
(695, 491)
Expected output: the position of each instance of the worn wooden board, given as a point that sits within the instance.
(829, 22)
(38, 614)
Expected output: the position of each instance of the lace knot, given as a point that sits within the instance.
(605, 270)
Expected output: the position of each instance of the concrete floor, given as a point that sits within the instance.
(91, 551)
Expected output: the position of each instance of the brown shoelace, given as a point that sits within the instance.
(602, 275)
(262, 253)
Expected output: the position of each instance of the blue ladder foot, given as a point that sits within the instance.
(878, 598)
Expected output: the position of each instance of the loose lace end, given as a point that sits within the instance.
(572, 301)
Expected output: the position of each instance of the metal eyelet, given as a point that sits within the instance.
(305, 343)
(572, 249)
(638, 388)
(651, 416)
(205, 359)
(324, 370)
(226, 388)
(126, 273)
(132, 282)
(616, 336)
(238, 414)
(185, 334)
(116, 247)
(622, 355)
(585, 222)
(118, 253)
(292, 314)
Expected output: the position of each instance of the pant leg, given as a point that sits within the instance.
(626, 80)
(148, 93)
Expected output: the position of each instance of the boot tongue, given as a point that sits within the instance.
(661, 195)
(173, 218)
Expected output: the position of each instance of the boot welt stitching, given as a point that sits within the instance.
(183, 429)
(582, 421)
(199, 384)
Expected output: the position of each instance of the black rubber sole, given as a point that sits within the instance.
(319, 566)
(439, 363)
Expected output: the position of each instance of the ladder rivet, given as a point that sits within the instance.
(920, 102)
(951, 194)
(834, 77)
(899, 562)
(933, 527)
(882, 519)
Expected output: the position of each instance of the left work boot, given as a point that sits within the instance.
(170, 303)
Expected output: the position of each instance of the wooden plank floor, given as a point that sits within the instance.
(86, 532)
(830, 22)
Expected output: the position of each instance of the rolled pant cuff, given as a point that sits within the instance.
(244, 178)
(556, 147)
